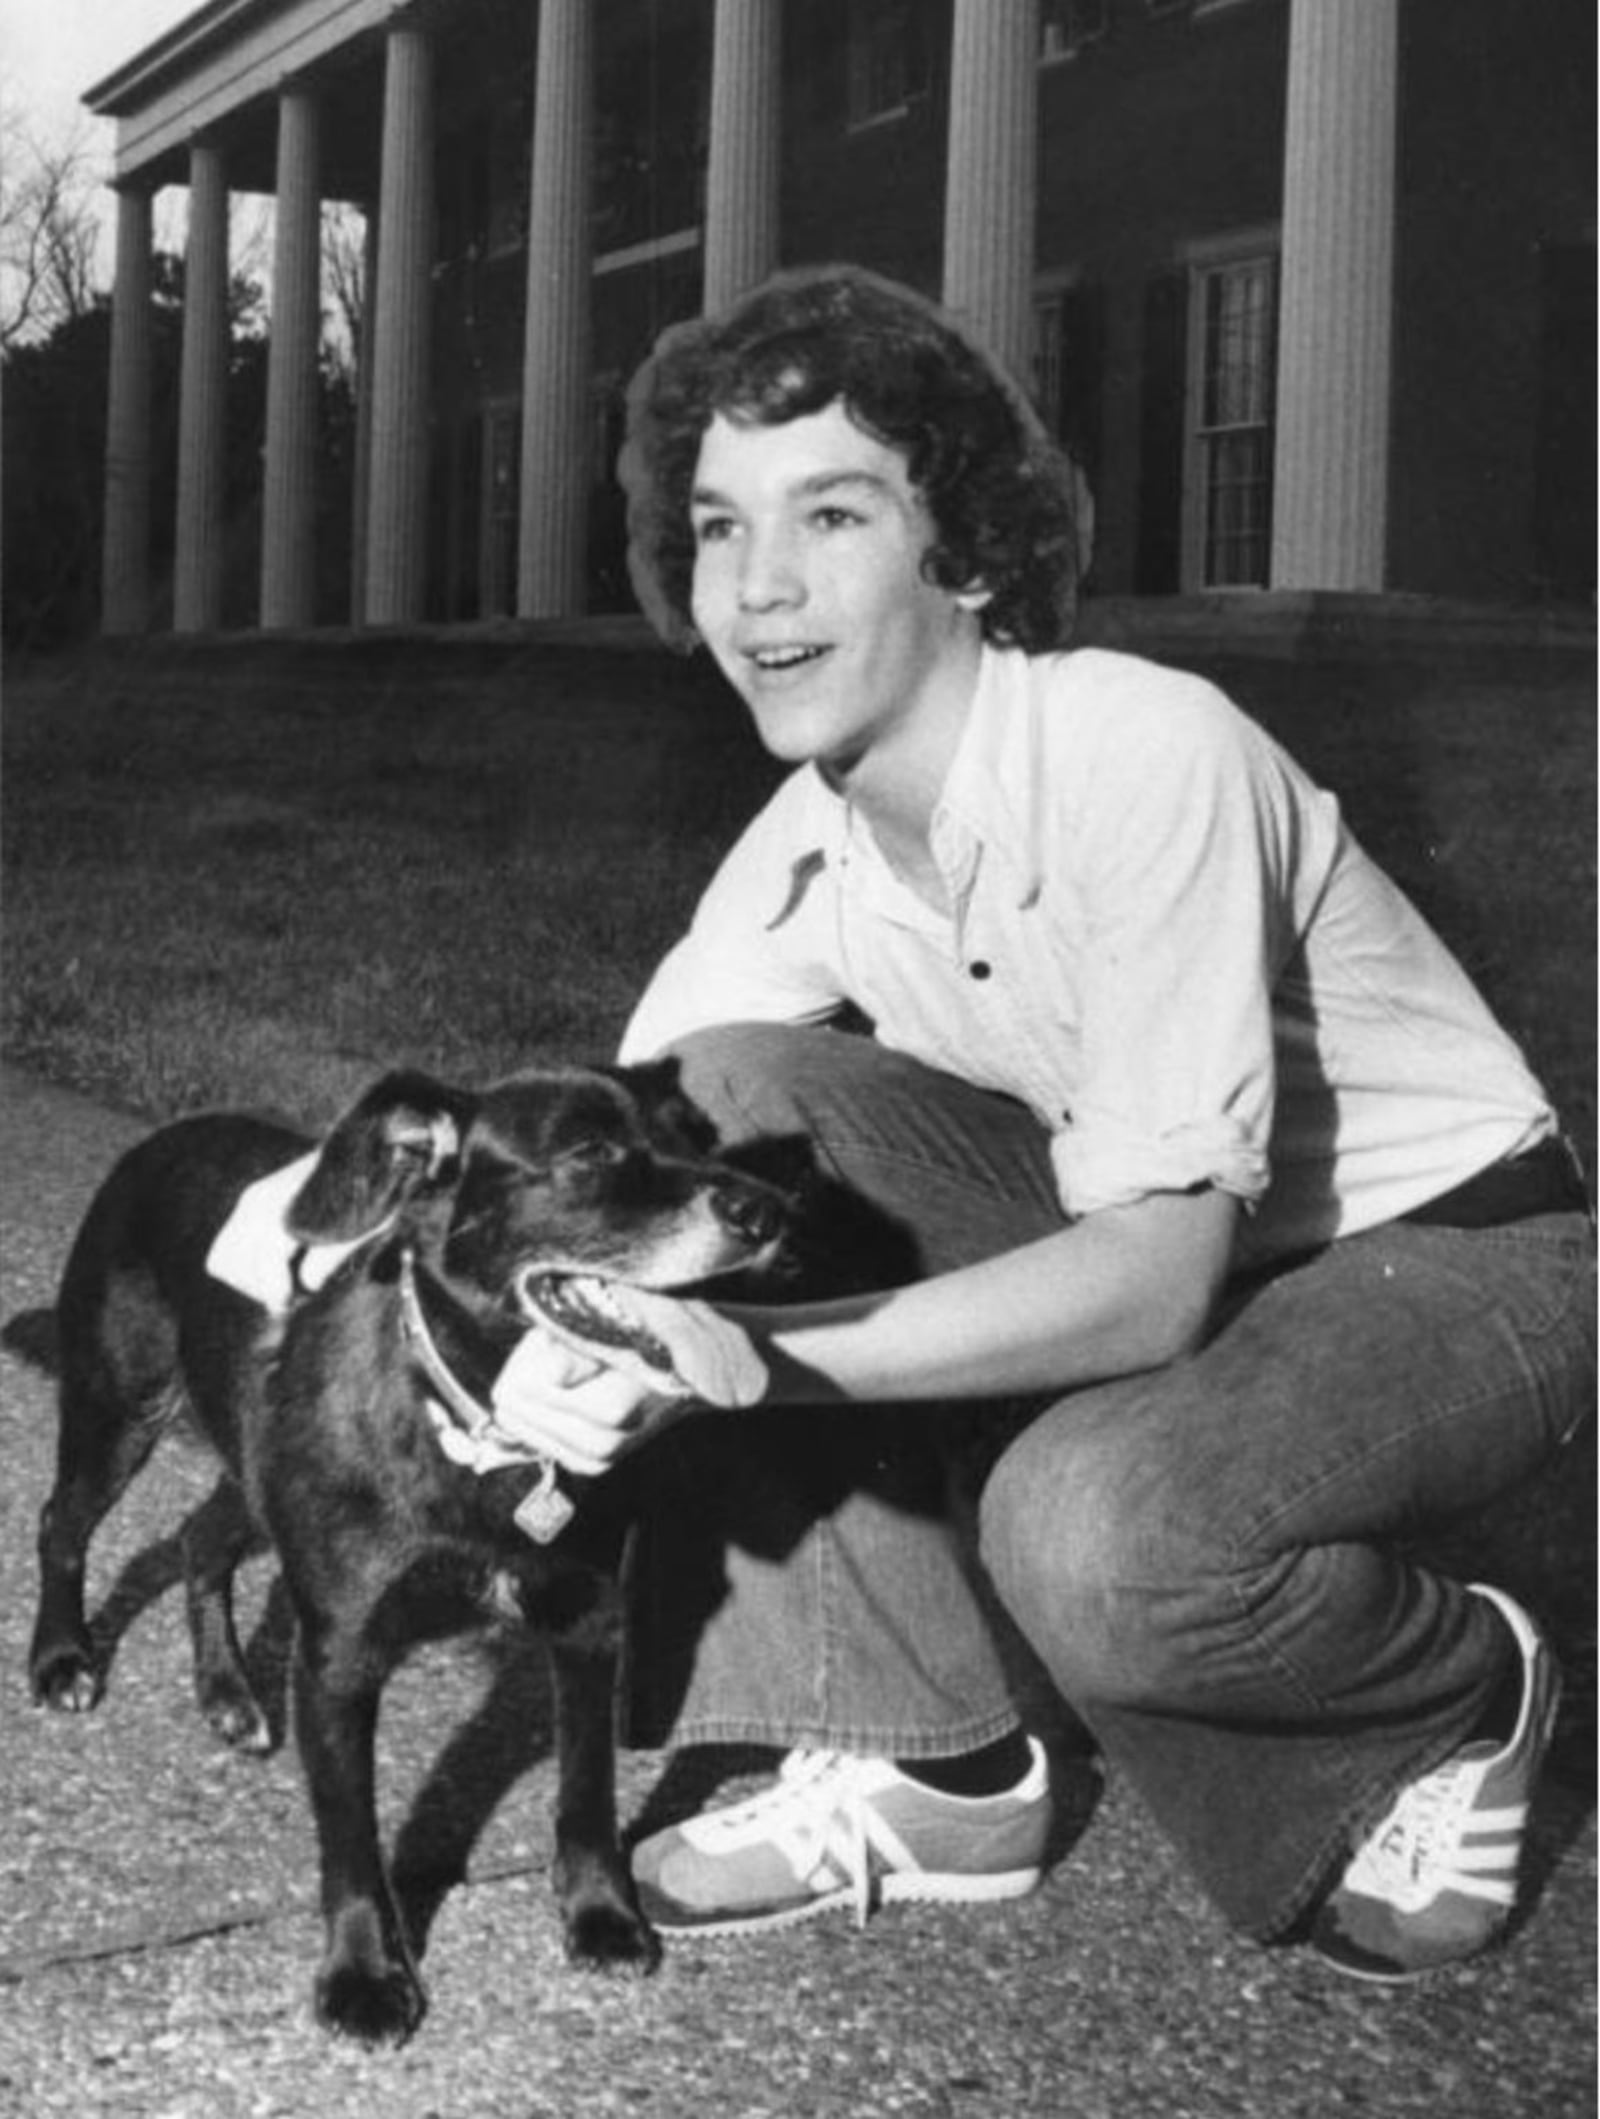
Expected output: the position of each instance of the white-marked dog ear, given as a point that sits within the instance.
(403, 1136)
(433, 1138)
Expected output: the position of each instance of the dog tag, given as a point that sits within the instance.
(545, 1510)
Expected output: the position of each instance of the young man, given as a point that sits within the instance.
(1208, 1150)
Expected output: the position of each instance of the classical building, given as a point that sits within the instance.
(1306, 285)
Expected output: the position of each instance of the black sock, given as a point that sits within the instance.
(992, 1771)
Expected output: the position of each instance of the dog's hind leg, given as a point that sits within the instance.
(216, 1539)
(106, 1435)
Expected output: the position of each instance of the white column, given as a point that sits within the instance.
(202, 400)
(396, 539)
(125, 564)
(992, 176)
(288, 531)
(1331, 472)
(554, 501)
(742, 174)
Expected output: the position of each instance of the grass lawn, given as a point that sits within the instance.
(254, 873)
(258, 876)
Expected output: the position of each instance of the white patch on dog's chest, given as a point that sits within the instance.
(502, 1597)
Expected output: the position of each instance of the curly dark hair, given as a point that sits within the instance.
(1000, 494)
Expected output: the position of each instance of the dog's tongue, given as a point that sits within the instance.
(684, 1346)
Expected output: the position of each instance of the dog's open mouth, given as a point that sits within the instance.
(595, 1310)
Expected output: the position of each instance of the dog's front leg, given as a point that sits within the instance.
(601, 1922)
(367, 1987)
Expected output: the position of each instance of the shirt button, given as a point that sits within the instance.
(979, 968)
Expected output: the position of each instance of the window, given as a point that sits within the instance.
(887, 58)
(1232, 341)
(1065, 26)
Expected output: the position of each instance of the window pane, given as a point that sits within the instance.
(1238, 496)
(1235, 421)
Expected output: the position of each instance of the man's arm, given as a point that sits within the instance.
(1126, 1289)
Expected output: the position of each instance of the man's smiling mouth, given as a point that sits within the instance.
(774, 661)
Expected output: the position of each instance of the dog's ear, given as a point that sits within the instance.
(659, 1088)
(404, 1134)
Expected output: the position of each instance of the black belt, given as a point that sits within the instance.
(1546, 1179)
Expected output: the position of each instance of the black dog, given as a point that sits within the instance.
(473, 1214)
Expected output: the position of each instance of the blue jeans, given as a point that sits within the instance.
(1213, 1561)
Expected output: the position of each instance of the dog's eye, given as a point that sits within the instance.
(592, 1155)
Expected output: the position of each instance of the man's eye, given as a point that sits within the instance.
(713, 529)
(832, 518)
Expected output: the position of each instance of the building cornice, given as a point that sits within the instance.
(216, 62)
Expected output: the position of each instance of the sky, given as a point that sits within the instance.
(52, 50)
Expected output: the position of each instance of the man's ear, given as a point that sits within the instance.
(974, 598)
(404, 1134)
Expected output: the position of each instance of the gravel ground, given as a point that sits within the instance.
(158, 1926)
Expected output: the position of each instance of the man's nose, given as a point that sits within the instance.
(771, 577)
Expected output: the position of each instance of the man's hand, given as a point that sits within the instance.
(588, 1406)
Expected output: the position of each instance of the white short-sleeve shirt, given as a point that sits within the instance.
(1164, 941)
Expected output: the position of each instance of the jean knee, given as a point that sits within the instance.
(1111, 1587)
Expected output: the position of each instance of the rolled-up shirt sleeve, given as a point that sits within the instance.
(1184, 922)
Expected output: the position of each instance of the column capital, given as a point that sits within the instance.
(299, 81)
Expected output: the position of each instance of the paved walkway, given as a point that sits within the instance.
(158, 1931)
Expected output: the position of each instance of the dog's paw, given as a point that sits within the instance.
(67, 1680)
(236, 1716)
(370, 2005)
(610, 1938)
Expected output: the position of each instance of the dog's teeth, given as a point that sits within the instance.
(596, 1310)
(595, 1295)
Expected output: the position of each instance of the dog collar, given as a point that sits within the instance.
(467, 1430)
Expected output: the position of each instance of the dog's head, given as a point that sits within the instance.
(592, 1174)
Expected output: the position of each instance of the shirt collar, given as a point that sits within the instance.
(991, 803)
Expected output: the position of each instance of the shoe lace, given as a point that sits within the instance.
(1419, 1846)
(816, 1811)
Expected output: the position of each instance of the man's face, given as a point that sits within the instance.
(809, 591)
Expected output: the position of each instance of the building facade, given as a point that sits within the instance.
(1306, 286)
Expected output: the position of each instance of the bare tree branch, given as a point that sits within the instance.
(344, 239)
(49, 232)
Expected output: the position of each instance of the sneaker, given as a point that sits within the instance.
(1435, 1881)
(835, 1830)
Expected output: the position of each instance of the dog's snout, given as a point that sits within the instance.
(754, 1216)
